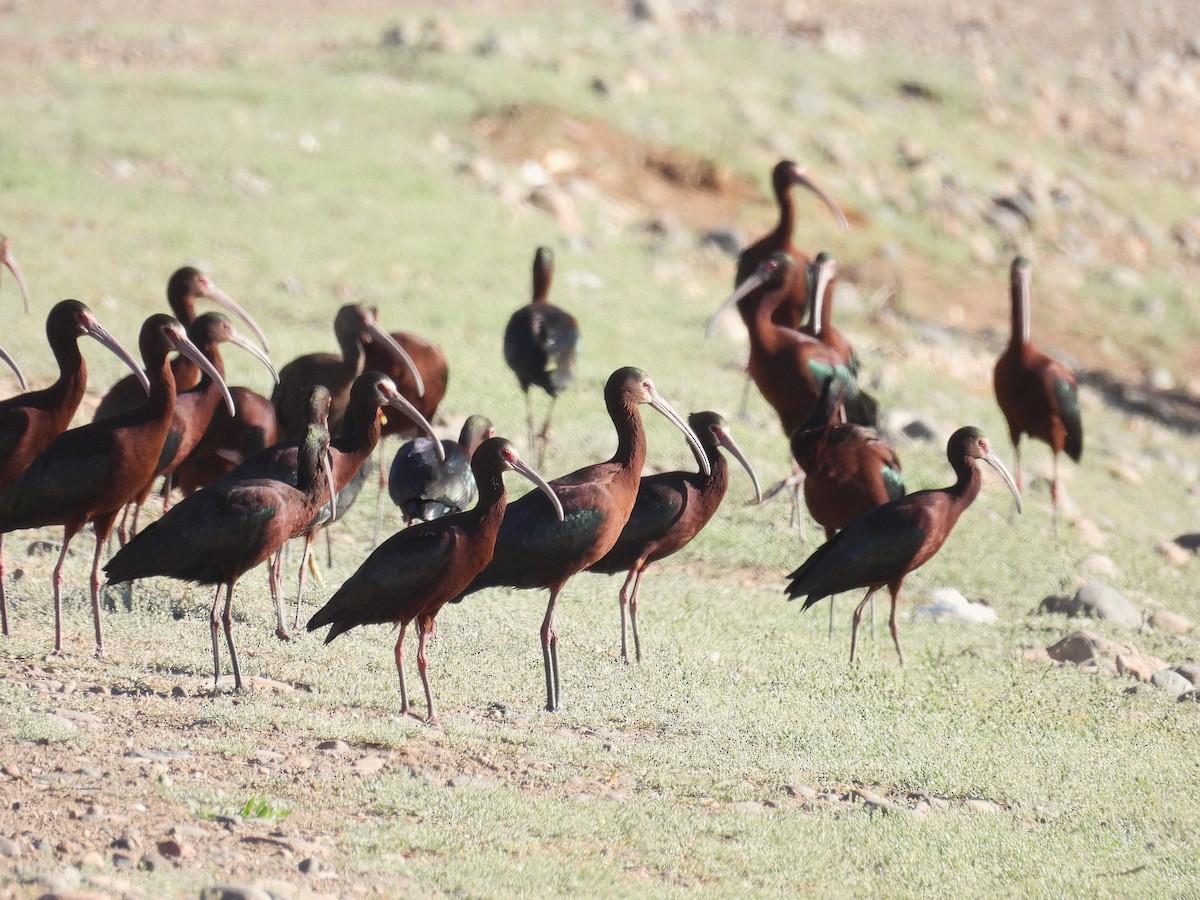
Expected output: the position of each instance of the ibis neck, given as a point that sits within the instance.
(1020, 313)
(631, 435)
(787, 215)
(355, 443)
(757, 313)
(161, 402)
(68, 389)
(964, 491)
(542, 276)
(354, 354)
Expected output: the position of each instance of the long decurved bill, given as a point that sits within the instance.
(179, 340)
(95, 330)
(327, 466)
(803, 180)
(397, 401)
(10, 261)
(823, 268)
(739, 292)
(12, 364)
(519, 465)
(725, 439)
(218, 296)
(239, 341)
(1008, 479)
(388, 342)
(658, 403)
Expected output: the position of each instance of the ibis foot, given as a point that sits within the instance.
(282, 633)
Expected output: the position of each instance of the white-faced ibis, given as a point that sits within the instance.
(887, 542)
(414, 573)
(371, 393)
(229, 440)
(671, 508)
(430, 361)
(194, 408)
(790, 367)
(848, 468)
(1037, 394)
(355, 326)
(535, 550)
(29, 422)
(786, 173)
(219, 533)
(425, 487)
(10, 262)
(540, 343)
(87, 474)
(184, 288)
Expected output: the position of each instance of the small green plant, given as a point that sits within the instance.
(263, 808)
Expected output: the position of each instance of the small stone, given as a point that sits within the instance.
(1099, 601)
(1139, 665)
(1084, 646)
(9, 847)
(747, 808)
(800, 791)
(179, 691)
(1140, 688)
(92, 860)
(985, 806)
(122, 862)
(234, 892)
(873, 802)
(1170, 622)
(370, 765)
(174, 849)
(1170, 681)
(1190, 671)
(335, 746)
(154, 862)
(1173, 553)
(311, 866)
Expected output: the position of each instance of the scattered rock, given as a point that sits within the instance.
(985, 806)
(1081, 647)
(1096, 600)
(9, 847)
(1189, 697)
(873, 802)
(947, 604)
(1190, 671)
(334, 746)
(800, 791)
(311, 866)
(1174, 554)
(1170, 681)
(370, 765)
(1139, 665)
(1170, 622)
(175, 849)
(1099, 564)
(234, 892)
(747, 807)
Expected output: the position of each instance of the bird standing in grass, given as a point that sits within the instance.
(425, 487)
(1038, 395)
(884, 544)
(540, 343)
(414, 573)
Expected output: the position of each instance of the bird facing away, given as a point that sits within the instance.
(219, 533)
(535, 550)
(89, 473)
(426, 488)
(779, 240)
(823, 275)
(671, 508)
(1037, 395)
(540, 344)
(184, 288)
(884, 544)
(355, 326)
(10, 262)
(30, 421)
(414, 573)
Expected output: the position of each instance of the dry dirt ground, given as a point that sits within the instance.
(117, 803)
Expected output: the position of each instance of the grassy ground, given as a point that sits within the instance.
(306, 166)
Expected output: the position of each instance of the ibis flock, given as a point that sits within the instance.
(243, 474)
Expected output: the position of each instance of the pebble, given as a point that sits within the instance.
(1083, 647)
(747, 807)
(1170, 681)
(1173, 553)
(947, 604)
(985, 806)
(1099, 564)
(336, 746)
(873, 802)
(800, 791)
(370, 765)
(9, 847)
(234, 892)
(1190, 671)
(311, 866)
(1099, 601)
(1170, 622)
(1139, 665)
(154, 862)
(174, 849)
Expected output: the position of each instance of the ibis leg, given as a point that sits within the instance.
(101, 537)
(550, 654)
(168, 486)
(214, 626)
(744, 406)
(633, 605)
(58, 580)
(830, 634)
(122, 533)
(3, 598)
(895, 631)
(1054, 496)
(275, 578)
(858, 612)
(544, 436)
(623, 600)
(383, 486)
(133, 528)
(308, 542)
(328, 548)
(399, 654)
(227, 621)
(529, 423)
(423, 668)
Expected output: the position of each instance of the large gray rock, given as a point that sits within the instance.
(1096, 600)
(1190, 671)
(1170, 681)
